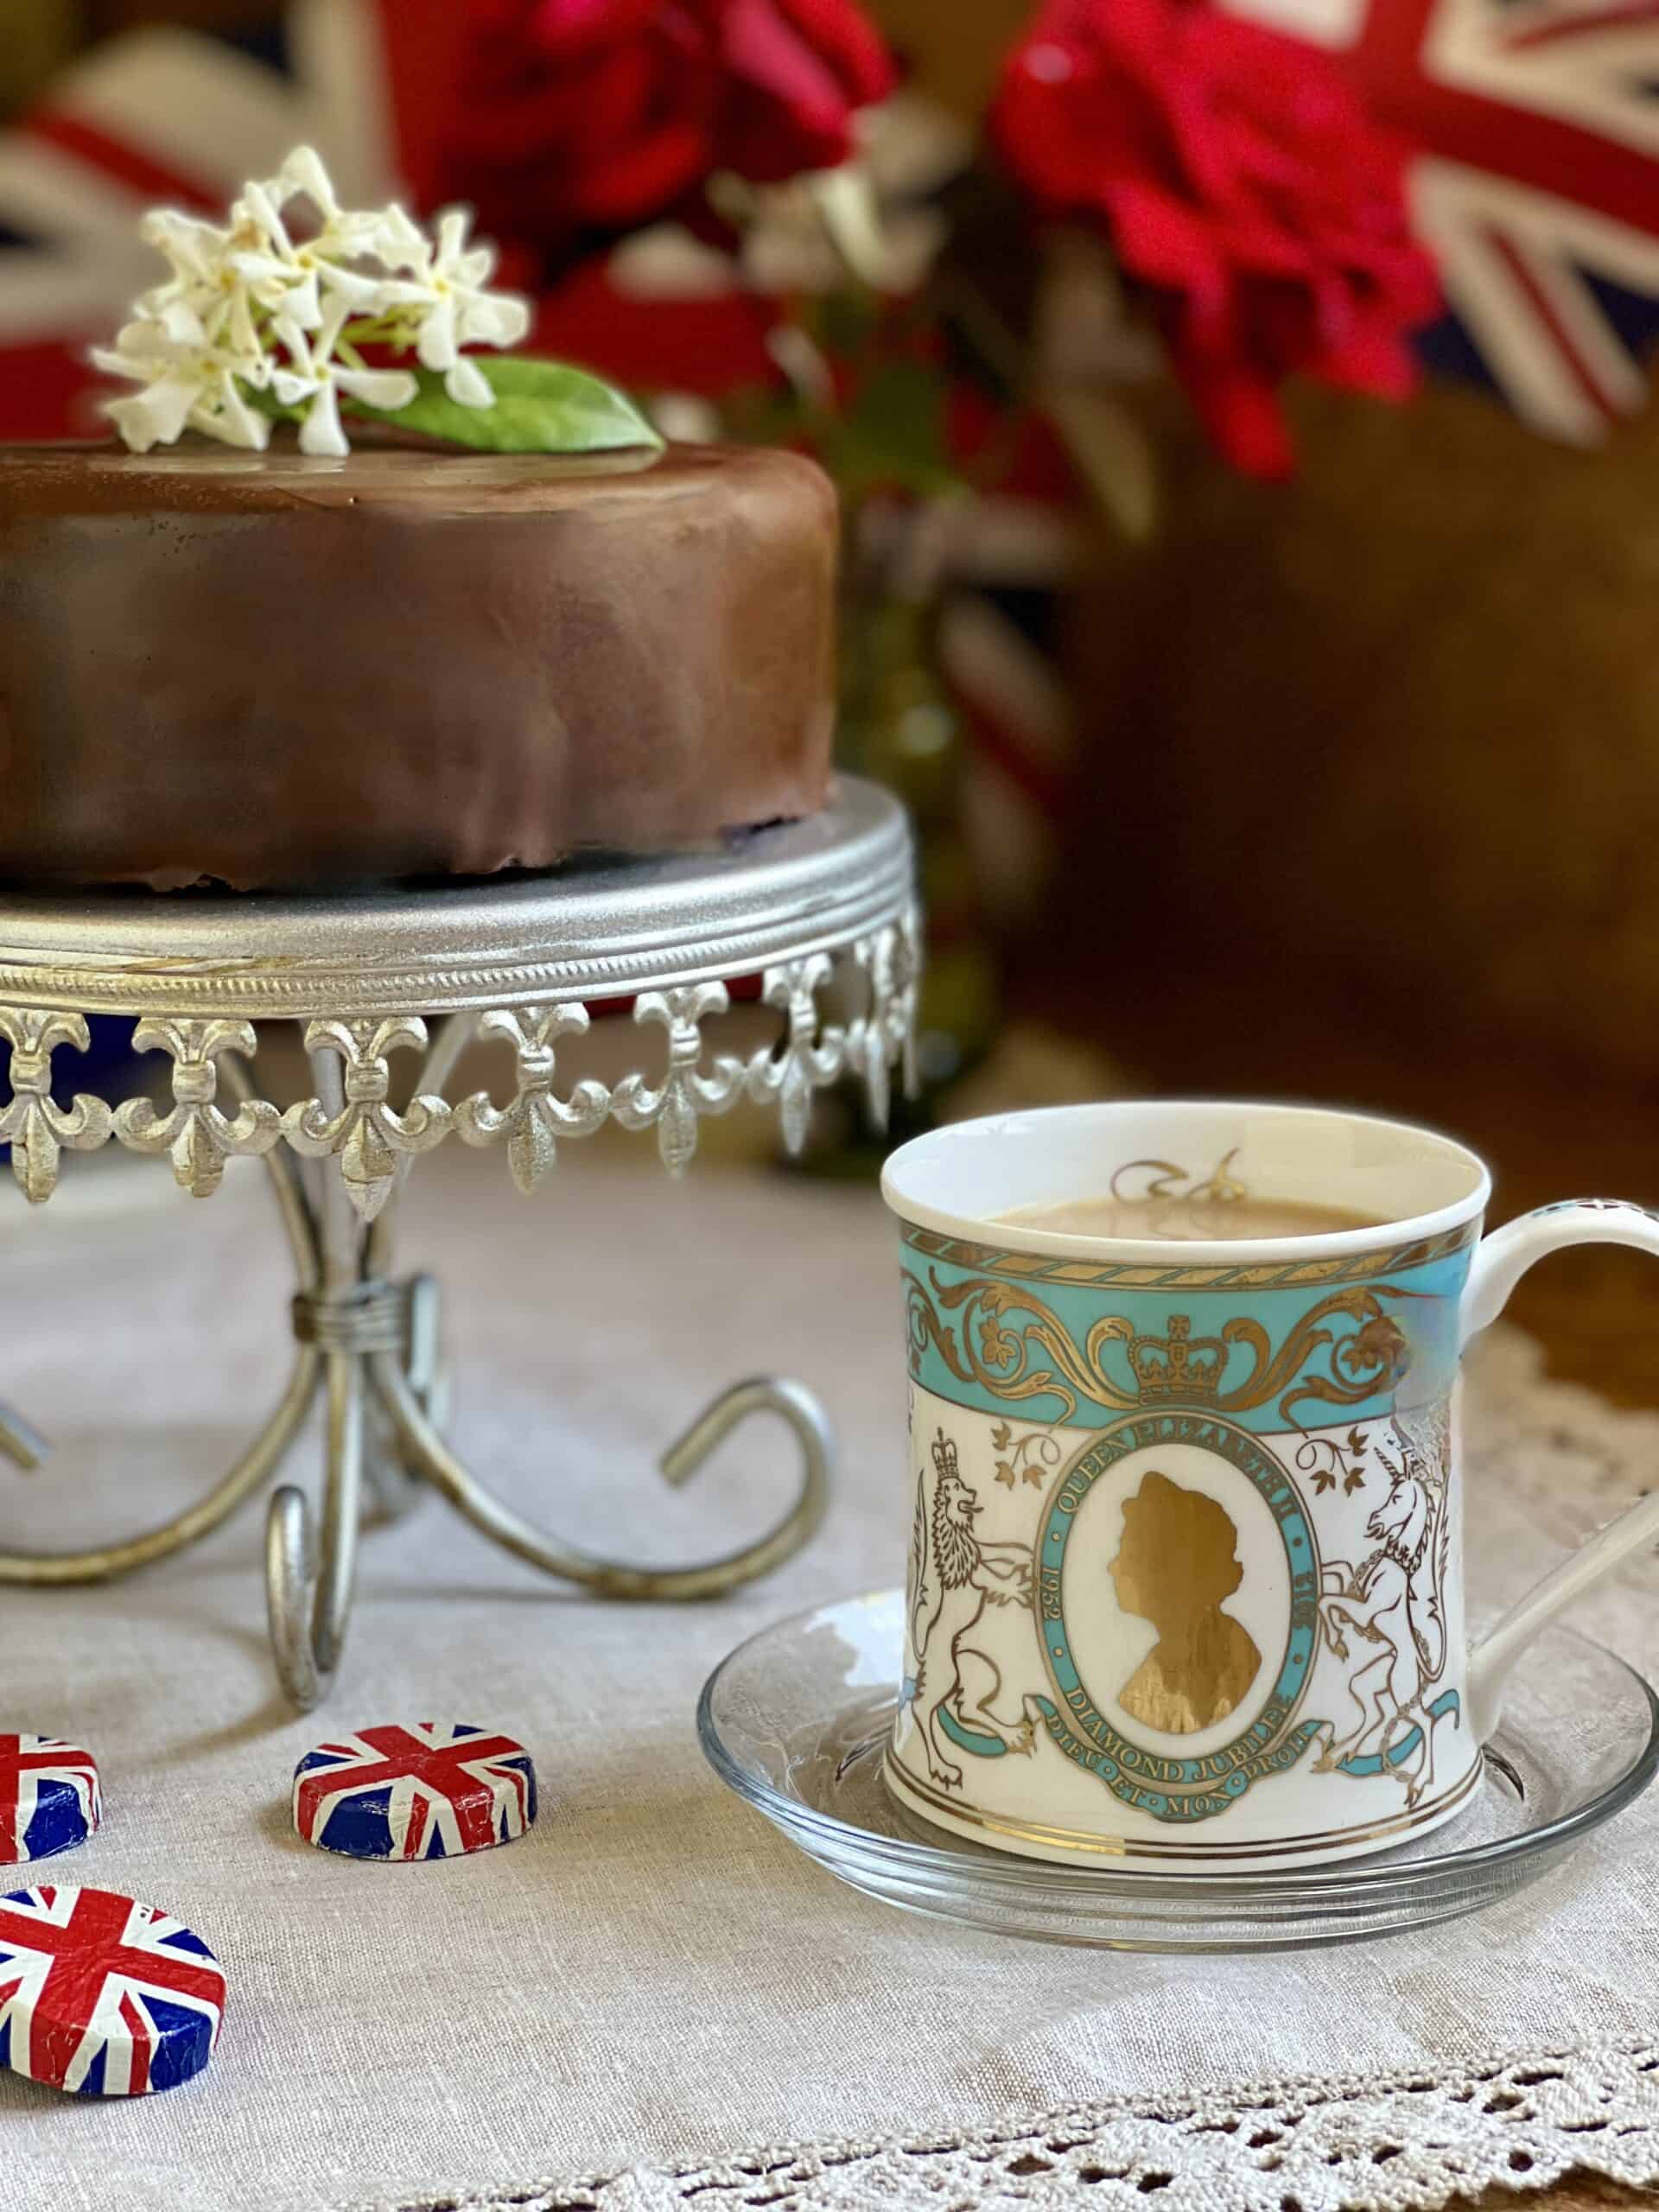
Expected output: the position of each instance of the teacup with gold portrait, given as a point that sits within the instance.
(1185, 1586)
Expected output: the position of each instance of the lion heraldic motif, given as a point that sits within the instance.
(967, 1576)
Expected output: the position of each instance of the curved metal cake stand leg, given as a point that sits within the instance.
(372, 1346)
(415, 1415)
(796, 1406)
(391, 1477)
(251, 1472)
(309, 1596)
(24, 1444)
(309, 1574)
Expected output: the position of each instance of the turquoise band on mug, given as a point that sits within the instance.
(988, 1337)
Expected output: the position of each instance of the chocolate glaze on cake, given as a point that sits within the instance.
(262, 669)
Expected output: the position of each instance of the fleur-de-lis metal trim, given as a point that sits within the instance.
(868, 1048)
(368, 1134)
(536, 1119)
(802, 1062)
(197, 1133)
(885, 1037)
(33, 1123)
(687, 1089)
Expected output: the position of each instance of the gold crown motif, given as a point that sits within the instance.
(944, 1456)
(1179, 1365)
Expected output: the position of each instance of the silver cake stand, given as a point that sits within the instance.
(824, 911)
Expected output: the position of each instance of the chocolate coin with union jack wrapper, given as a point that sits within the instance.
(426, 1789)
(101, 1996)
(49, 1798)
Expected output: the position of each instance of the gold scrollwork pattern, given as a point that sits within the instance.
(1139, 1180)
(1011, 1345)
(1228, 1280)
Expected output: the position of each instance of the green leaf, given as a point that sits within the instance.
(540, 407)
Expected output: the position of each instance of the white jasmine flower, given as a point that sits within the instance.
(303, 176)
(284, 275)
(171, 307)
(196, 249)
(321, 433)
(291, 276)
(262, 305)
(185, 386)
(303, 173)
(393, 237)
(223, 412)
(201, 302)
(387, 389)
(450, 308)
(311, 373)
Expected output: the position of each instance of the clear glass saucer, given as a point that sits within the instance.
(796, 1719)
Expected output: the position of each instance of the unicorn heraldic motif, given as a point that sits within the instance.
(1388, 1614)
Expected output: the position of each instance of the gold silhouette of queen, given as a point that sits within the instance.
(1174, 1567)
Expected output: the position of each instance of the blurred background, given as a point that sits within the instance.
(1241, 421)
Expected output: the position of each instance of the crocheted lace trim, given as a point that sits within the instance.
(1389, 2143)
(1385, 2142)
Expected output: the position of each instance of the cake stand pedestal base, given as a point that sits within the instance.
(818, 909)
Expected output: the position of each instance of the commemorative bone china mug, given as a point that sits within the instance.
(1185, 1585)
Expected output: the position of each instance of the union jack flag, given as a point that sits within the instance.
(103, 1997)
(434, 1790)
(1536, 187)
(49, 1798)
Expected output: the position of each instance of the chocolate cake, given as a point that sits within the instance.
(262, 669)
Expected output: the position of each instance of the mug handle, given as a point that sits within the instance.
(1499, 1262)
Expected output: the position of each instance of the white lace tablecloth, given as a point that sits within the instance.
(624, 2010)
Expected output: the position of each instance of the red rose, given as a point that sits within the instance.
(795, 73)
(577, 116)
(1242, 180)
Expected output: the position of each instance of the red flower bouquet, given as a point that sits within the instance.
(1243, 182)
(595, 115)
